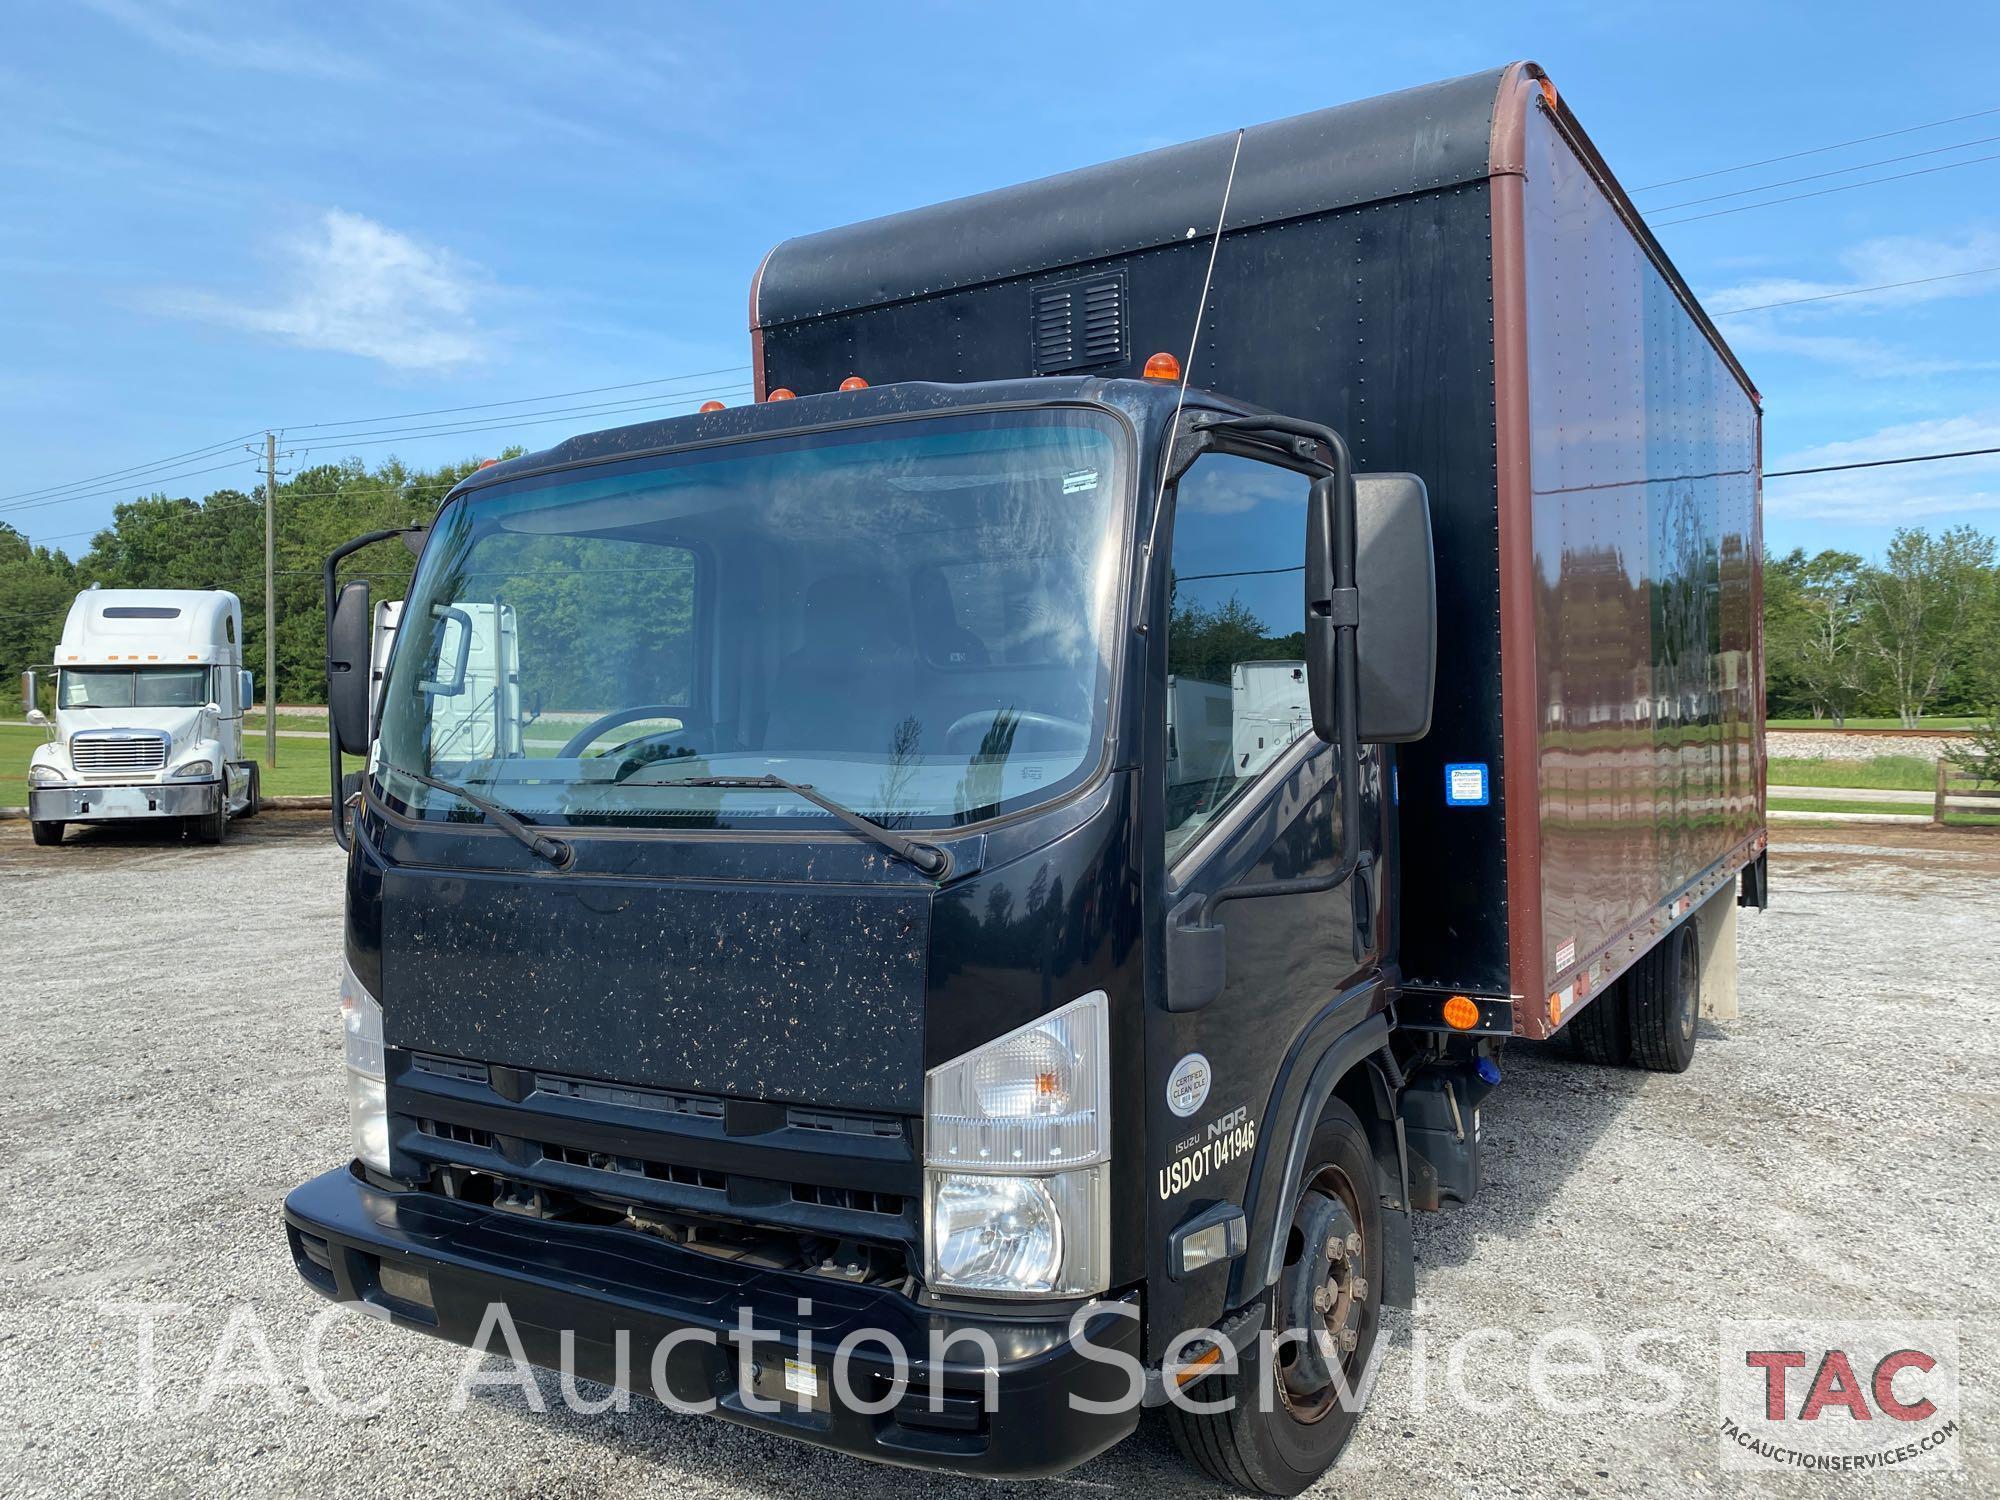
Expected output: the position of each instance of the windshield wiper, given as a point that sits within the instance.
(556, 851)
(928, 858)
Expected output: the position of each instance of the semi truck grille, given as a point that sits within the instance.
(100, 754)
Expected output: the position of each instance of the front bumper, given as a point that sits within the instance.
(99, 804)
(596, 1284)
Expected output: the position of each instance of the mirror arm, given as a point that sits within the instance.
(1201, 937)
(331, 598)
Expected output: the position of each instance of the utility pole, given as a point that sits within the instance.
(271, 600)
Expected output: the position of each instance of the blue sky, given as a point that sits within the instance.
(219, 217)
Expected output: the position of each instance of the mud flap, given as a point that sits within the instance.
(1439, 1116)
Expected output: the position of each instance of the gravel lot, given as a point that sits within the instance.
(173, 1069)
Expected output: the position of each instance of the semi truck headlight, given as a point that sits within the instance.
(1016, 1144)
(44, 776)
(194, 768)
(367, 1085)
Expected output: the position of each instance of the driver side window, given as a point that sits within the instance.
(1236, 670)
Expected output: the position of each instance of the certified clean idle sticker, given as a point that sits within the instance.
(1187, 1085)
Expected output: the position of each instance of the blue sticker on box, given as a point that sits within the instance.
(1465, 784)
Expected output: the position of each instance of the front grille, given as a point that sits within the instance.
(854, 1200)
(844, 1122)
(96, 754)
(695, 1106)
(465, 1135)
(659, 1171)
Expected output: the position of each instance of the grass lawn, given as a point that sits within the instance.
(301, 770)
(1901, 773)
(1826, 725)
(1832, 804)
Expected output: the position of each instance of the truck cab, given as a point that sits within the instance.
(149, 701)
(1048, 836)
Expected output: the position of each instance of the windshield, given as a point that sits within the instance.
(915, 618)
(133, 687)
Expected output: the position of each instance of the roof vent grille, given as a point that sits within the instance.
(1078, 324)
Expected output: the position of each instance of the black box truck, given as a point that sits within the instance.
(1030, 839)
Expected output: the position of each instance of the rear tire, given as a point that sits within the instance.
(1666, 1003)
(47, 833)
(1276, 1439)
(1600, 1034)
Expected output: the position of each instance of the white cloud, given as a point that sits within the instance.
(1754, 326)
(227, 42)
(1878, 262)
(1906, 494)
(359, 287)
(1763, 334)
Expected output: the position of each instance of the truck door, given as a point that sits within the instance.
(1265, 808)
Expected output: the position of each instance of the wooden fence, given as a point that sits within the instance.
(1966, 785)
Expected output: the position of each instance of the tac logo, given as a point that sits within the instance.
(1839, 1398)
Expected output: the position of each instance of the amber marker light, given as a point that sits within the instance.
(707, 406)
(854, 383)
(1460, 1013)
(1163, 366)
(1199, 1366)
(782, 393)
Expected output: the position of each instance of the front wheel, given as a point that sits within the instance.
(1282, 1424)
(213, 828)
(47, 833)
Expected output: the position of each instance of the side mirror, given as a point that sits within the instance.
(39, 719)
(451, 653)
(246, 691)
(212, 706)
(28, 690)
(1396, 641)
(347, 669)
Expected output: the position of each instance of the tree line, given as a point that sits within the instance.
(161, 541)
(1912, 634)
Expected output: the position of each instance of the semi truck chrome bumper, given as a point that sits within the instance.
(94, 804)
(665, 1321)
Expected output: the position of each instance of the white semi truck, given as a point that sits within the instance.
(150, 696)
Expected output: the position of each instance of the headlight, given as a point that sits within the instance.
(194, 768)
(45, 776)
(1016, 1140)
(367, 1087)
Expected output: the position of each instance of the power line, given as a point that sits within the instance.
(136, 469)
(1971, 161)
(118, 489)
(520, 401)
(1860, 166)
(1887, 286)
(1882, 463)
(511, 423)
(1860, 140)
(483, 424)
(139, 473)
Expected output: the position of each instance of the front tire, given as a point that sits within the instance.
(47, 834)
(213, 828)
(1286, 1424)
